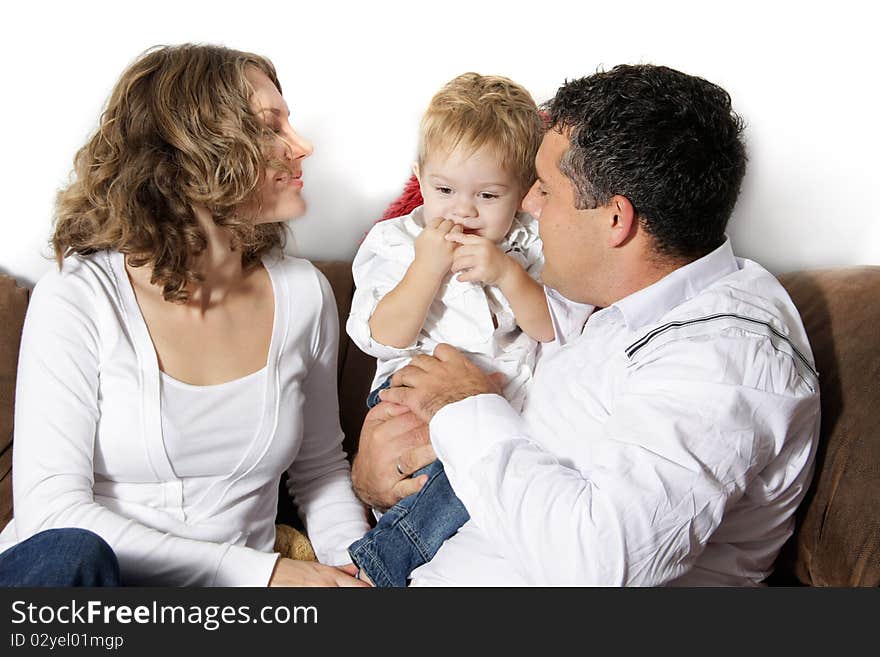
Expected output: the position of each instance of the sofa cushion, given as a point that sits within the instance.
(13, 303)
(838, 540)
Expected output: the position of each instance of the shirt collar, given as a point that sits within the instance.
(519, 236)
(650, 303)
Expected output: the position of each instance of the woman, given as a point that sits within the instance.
(178, 363)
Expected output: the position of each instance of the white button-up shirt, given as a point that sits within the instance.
(666, 439)
(476, 319)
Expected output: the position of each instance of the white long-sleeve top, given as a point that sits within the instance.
(474, 318)
(88, 446)
(666, 439)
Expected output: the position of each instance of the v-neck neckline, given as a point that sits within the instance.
(150, 373)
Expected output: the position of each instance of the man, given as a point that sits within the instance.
(669, 433)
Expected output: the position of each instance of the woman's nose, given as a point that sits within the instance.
(296, 146)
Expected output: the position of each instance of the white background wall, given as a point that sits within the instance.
(357, 77)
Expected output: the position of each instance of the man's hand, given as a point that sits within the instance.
(391, 436)
(479, 259)
(290, 572)
(433, 251)
(429, 383)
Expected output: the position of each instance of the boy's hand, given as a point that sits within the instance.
(480, 259)
(433, 251)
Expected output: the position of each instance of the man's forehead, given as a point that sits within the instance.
(553, 148)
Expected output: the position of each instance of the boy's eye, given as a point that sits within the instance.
(486, 196)
(444, 190)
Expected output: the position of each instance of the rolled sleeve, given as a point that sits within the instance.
(378, 267)
(242, 566)
(363, 305)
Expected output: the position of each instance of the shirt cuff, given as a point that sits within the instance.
(244, 566)
(358, 329)
(339, 557)
(463, 433)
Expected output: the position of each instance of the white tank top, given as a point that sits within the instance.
(220, 420)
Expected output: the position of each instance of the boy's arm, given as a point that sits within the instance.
(480, 260)
(401, 313)
(527, 300)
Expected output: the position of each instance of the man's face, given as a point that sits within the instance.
(573, 239)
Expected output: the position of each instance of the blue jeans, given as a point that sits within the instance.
(373, 398)
(60, 557)
(412, 531)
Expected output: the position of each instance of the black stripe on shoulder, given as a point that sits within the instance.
(671, 326)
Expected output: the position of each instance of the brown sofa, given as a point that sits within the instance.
(837, 542)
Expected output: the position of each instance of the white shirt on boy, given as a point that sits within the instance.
(474, 318)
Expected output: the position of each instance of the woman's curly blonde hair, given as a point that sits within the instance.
(178, 130)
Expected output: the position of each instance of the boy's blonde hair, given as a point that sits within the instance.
(476, 110)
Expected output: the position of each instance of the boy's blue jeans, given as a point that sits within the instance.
(412, 531)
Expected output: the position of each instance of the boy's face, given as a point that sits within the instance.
(470, 189)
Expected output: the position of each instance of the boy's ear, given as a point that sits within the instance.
(415, 170)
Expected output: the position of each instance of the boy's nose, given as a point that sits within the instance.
(465, 210)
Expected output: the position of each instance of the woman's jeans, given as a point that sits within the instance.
(60, 557)
(412, 531)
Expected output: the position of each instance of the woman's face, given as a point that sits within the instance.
(281, 197)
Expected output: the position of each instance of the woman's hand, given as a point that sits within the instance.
(290, 572)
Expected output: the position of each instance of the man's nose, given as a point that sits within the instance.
(531, 202)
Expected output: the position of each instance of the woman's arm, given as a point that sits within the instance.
(56, 415)
(319, 479)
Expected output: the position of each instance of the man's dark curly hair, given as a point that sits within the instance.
(669, 142)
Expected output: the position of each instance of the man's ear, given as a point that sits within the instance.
(622, 221)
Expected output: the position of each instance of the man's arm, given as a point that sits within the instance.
(393, 444)
(639, 502)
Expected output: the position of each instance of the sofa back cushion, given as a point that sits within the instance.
(13, 303)
(356, 369)
(838, 538)
(837, 541)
